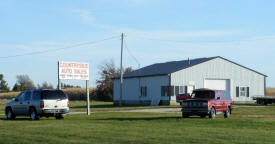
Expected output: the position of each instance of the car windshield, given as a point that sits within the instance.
(53, 94)
(204, 94)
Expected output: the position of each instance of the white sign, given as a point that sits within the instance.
(73, 70)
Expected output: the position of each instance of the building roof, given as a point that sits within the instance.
(170, 67)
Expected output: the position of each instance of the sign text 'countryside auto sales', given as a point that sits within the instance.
(73, 70)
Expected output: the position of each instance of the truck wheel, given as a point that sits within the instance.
(185, 115)
(10, 115)
(227, 113)
(263, 102)
(33, 114)
(60, 116)
(212, 114)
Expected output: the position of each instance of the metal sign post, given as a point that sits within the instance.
(75, 71)
(59, 80)
(88, 97)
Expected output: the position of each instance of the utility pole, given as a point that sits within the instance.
(121, 70)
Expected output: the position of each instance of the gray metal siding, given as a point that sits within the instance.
(221, 69)
(131, 91)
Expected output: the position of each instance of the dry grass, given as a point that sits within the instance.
(79, 93)
(270, 91)
(8, 95)
(72, 93)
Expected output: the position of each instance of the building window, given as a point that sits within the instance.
(167, 90)
(181, 91)
(172, 90)
(164, 90)
(177, 90)
(143, 91)
(242, 91)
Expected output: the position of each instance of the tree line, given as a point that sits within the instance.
(104, 91)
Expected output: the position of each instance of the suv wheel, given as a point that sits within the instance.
(33, 114)
(10, 114)
(212, 114)
(227, 113)
(60, 116)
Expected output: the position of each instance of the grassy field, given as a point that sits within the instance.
(246, 125)
(97, 106)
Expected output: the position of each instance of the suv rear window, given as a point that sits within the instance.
(53, 94)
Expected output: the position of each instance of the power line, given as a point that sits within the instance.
(58, 49)
(190, 41)
(128, 50)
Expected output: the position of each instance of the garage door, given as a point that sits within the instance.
(217, 84)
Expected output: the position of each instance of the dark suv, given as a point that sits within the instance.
(38, 103)
(207, 102)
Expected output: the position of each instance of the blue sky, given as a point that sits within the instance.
(156, 31)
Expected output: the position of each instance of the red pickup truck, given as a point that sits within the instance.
(205, 102)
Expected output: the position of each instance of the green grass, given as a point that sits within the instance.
(246, 125)
(99, 106)
(96, 106)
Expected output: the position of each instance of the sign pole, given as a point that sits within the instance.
(75, 71)
(88, 97)
(59, 80)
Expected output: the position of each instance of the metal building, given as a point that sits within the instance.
(158, 84)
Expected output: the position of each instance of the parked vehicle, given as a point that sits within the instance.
(182, 97)
(38, 103)
(207, 102)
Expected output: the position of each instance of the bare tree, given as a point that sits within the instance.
(45, 85)
(108, 71)
(23, 83)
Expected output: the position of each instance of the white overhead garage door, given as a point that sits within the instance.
(217, 84)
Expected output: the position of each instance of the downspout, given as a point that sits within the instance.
(265, 85)
(169, 86)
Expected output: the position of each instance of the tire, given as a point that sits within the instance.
(10, 115)
(33, 114)
(185, 115)
(227, 113)
(212, 114)
(263, 103)
(60, 116)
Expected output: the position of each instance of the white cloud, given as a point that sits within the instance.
(85, 16)
(137, 2)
